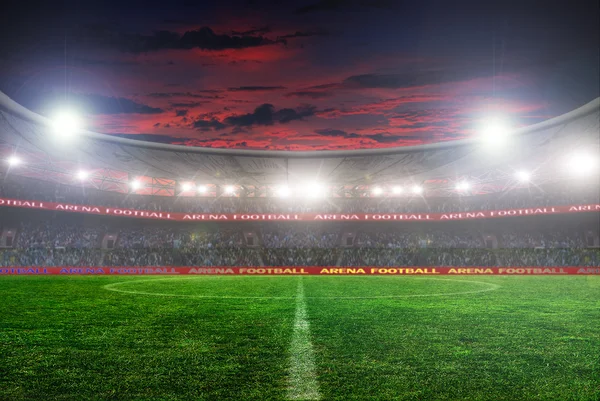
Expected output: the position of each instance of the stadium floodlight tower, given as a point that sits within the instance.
(523, 176)
(13, 161)
(82, 175)
(417, 190)
(582, 163)
(463, 186)
(283, 191)
(67, 123)
(135, 185)
(313, 190)
(494, 132)
(377, 191)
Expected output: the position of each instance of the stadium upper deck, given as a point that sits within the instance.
(562, 147)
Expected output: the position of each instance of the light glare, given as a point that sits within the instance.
(135, 184)
(283, 192)
(13, 161)
(417, 189)
(202, 189)
(229, 189)
(523, 176)
(494, 132)
(186, 186)
(377, 191)
(397, 190)
(82, 175)
(582, 163)
(462, 186)
(66, 123)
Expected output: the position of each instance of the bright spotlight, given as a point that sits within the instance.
(313, 190)
(462, 186)
(202, 189)
(186, 186)
(66, 123)
(397, 190)
(417, 189)
(582, 163)
(13, 161)
(82, 175)
(135, 184)
(523, 176)
(229, 189)
(494, 132)
(283, 191)
(377, 191)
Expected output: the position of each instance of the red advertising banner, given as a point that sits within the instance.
(176, 216)
(298, 271)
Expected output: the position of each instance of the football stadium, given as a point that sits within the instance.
(145, 267)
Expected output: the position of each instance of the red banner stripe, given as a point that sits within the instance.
(295, 270)
(176, 216)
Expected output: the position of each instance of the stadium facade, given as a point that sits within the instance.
(56, 221)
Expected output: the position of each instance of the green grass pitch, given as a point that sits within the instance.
(230, 338)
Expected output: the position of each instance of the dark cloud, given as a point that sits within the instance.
(255, 88)
(254, 31)
(180, 113)
(299, 34)
(166, 95)
(337, 5)
(309, 94)
(207, 125)
(189, 104)
(380, 137)
(266, 114)
(411, 79)
(203, 38)
(337, 133)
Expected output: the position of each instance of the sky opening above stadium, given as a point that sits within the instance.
(311, 75)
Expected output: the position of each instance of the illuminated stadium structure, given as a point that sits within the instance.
(456, 202)
(562, 147)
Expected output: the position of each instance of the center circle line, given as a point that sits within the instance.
(111, 287)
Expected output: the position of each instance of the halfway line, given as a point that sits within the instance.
(302, 373)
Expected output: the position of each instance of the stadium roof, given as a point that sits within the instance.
(31, 135)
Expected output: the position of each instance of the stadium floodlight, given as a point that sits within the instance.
(463, 186)
(313, 190)
(67, 123)
(523, 176)
(417, 189)
(283, 191)
(494, 132)
(13, 161)
(582, 163)
(82, 175)
(397, 190)
(229, 189)
(202, 189)
(186, 186)
(377, 191)
(135, 185)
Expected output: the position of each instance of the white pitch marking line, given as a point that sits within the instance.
(112, 287)
(302, 373)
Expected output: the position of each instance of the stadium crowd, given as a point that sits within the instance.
(56, 243)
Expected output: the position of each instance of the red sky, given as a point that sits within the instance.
(301, 76)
